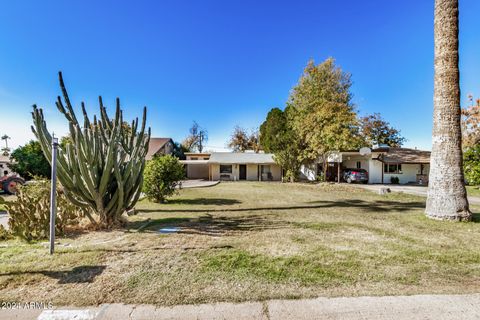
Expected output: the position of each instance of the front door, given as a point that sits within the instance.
(243, 172)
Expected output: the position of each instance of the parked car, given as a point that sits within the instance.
(355, 175)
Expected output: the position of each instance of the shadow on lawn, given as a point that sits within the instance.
(375, 206)
(218, 225)
(205, 201)
(81, 274)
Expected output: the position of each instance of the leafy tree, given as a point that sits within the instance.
(471, 165)
(322, 111)
(196, 139)
(471, 124)
(179, 150)
(278, 137)
(241, 140)
(161, 177)
(29, 161)
(375, 130)
(272, 130)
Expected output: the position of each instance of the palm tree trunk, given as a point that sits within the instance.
(447, 198)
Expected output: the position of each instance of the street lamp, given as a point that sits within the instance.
(53, 193)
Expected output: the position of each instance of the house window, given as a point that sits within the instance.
(206, 158)
(193, 158)
(1, 165)
(359, 165)
(225, 168)
(266, 169)
(392, 168)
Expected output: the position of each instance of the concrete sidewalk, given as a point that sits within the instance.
(425, 307)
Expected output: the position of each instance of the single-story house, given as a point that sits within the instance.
(159, 146)
(232, 166)
(381, 162)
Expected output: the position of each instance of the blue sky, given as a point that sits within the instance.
(221, 63)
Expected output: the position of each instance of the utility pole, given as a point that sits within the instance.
(53, 193)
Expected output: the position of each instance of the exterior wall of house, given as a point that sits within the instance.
(375, 168)
(197, 171)
(352, 163)
(252, 172)
(409, 174)
(276, 172)
(215, 172)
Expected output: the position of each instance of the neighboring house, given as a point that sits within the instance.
(232, 166)
(159, 146)
(383, 163)
(4, 169)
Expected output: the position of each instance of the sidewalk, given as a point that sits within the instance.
(425, 307)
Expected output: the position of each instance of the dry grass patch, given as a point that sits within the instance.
(252, 241)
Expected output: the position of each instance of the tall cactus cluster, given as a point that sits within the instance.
(101, 168)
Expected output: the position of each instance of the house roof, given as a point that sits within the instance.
(241, 157)
(155, 145)
(405, 155)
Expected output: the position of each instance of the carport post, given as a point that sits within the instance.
(338, 172)
(53, 194)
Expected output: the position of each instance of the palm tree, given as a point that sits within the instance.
(447, 197)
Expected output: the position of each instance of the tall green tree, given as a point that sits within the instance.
(278, 137)
(447, 197)
(29, 161)
(375, 130)
(324, 116)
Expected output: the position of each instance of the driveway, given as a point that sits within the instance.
(198, 183)
(410, 189)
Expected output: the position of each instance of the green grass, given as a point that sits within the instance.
(252, 241)
(473, 191)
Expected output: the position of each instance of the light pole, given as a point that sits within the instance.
(53, 193)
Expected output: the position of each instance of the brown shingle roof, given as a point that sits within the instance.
(155, 145)
(404, 155)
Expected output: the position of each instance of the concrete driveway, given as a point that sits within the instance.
(410, 189)
(198, 183)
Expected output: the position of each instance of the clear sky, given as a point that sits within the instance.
(222, 63)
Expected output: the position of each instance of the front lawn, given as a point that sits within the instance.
(252, 241)
(473, 191)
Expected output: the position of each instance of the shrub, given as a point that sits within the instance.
(161, 177)
(471, 165)
(394, 180)
(30, 213)
(321, 177)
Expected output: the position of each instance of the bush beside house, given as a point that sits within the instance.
(162, 176)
